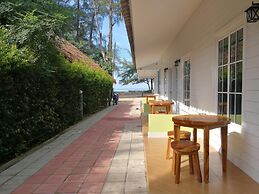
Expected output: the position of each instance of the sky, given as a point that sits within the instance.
(121, 39)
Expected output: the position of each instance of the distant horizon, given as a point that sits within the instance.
(121, 39)
(129, 89)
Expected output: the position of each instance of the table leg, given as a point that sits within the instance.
(206, 154)
(176, 132)
(152, 109)
(224, 145)
(195, 134)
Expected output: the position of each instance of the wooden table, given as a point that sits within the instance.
(150, 96)
(205, 122)
(163, 103)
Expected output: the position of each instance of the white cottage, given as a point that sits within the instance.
(203, 55)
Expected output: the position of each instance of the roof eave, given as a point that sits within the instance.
(125, 6)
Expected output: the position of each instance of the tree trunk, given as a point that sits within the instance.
(110, 29)
(77, 20)
(101, 46)
(100, 32)
(91, 32)
(100, 41)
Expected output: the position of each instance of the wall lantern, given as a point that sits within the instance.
(252, 13)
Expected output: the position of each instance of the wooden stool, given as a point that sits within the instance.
(184, 135)
(186, 147)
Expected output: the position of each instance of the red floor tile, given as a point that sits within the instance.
(96, 178)
(25, 189)
(81, 170)
(81, 167)
(103, 163)
(86, 163)
(45, 171)
(55, 179)
(76, 178)
(100, 170)
(64, 170)
(37, 179)
(47, 189)
(69, 187)
(70, 164)
(91, 188)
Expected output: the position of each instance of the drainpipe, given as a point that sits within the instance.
(176, 82)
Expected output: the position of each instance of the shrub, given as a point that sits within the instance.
(38, 101)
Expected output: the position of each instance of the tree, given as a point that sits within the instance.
(78, 21)
(128, 74)
(36, 30)
(98, 20)
(77, 18)
(115, 17)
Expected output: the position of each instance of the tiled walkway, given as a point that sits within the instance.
(106, 157)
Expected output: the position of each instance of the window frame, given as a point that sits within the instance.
(229, 65)
(158, 81)
(186, 101)
(165, 82)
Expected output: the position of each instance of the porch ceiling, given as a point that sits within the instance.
(147, 73)
(155, 24)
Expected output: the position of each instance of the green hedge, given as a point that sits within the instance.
(38, 102)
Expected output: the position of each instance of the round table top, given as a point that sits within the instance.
(160, 102)
(201, 120)
(151, 95)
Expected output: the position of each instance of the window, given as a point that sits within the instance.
(158, 82)
(186, 83)
(230, 65)
(165, 82)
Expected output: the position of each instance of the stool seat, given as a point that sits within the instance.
(185, 146)
(184, 135)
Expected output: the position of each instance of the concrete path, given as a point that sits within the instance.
(102, 154)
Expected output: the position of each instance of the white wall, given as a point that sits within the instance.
(198, 39)
(250, 132)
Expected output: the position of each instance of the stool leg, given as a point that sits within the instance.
(168, 149)
(174, 163)
(197, 166)
(191, 163)
(178, 166)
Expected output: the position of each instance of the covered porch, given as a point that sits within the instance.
(160, 178)
(203, 56)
